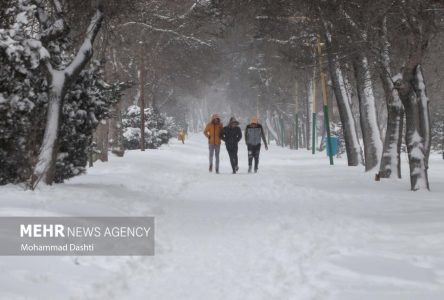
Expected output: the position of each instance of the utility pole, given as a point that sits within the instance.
(296, 114)
(296, 131)
(281, 122)
(142, 98)
(308, 116)
(324, 97)
(313, 134)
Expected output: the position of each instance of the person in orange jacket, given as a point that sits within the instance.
(212, 132)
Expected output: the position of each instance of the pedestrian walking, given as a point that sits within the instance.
(253, 135)
(181, 136)
(231, 135)
(212, 132)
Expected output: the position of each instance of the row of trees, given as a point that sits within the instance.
(55, 90)
(188, 58)
(373, 53)
(387, 40)
(162, 48)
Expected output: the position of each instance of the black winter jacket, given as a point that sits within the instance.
(231, 136)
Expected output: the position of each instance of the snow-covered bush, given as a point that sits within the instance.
(24, 97)
(158, 128)
(88, 102)
(171, 125)
(23, 93)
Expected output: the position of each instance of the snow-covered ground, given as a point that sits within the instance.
(299, 229)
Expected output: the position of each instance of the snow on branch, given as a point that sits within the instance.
(292, 40)
(85, 51)
(282, 42)
(352, 23)
(42, 16)
(196, 4)
(169, 31)
(189, 11)
(51, 30)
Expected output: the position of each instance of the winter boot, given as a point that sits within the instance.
(211, 168)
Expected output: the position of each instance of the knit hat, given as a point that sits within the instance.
(253, 120)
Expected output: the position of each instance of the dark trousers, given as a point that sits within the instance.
(232, 152)
(253, 153)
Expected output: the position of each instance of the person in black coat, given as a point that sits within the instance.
(231, 135)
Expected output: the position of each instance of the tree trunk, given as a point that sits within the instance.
(271, 131)
(45, 167)
(102, 139)
(59, 82)
(302, 139)
(424, 113)
(117, 146)
(367, 109)
(418, 136)
(391, 154)
(352, 146)
(391, 157)
(348, 90)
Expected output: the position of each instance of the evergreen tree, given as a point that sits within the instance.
(24, 97)
(86, 104)
(23, 92)
(158, 128)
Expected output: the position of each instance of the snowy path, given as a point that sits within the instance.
(300, 229)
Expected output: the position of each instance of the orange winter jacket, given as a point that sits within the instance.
(212, 132)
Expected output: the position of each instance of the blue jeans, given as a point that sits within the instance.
(214, 148)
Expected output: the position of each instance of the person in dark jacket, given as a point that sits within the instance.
(231, 135)
(253, 135)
